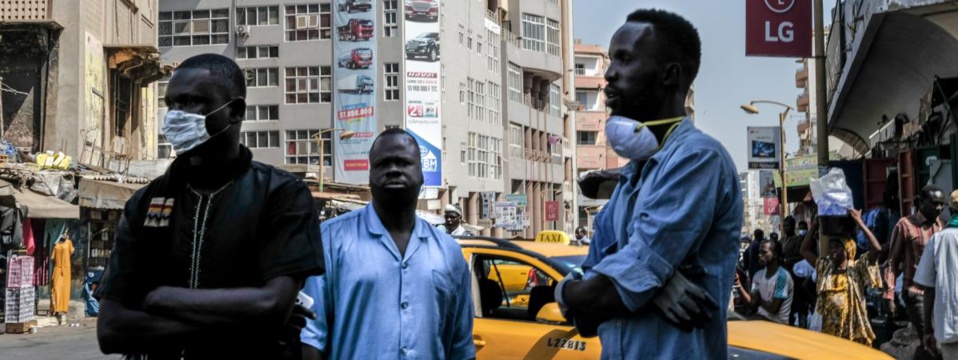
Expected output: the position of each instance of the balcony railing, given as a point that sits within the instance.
(510, 37)
(491, 15)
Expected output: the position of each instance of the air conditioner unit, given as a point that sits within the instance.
(250, 74)
(302, 21)
(243, 31)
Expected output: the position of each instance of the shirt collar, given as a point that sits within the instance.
(375, 226)
(920, 219)
(633, 167)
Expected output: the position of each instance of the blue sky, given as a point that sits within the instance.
(727, 78)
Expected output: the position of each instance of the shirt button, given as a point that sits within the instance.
(404, 351)
(404, 305)
(405, 265)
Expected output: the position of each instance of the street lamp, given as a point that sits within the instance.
(322, 150)
(753, 110)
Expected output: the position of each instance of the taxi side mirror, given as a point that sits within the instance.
(551, 314)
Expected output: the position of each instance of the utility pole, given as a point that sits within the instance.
(821, 108)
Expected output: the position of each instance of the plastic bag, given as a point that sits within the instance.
(832, 193)
(815, 321)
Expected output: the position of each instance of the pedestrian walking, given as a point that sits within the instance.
(842, 280)
(209, 257)
(937, 273)
(792, 254)
(396, 287)
(676, 236)
(908, 241)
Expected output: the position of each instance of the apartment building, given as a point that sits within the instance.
(592, 150)
(78, 76)
(500, 105)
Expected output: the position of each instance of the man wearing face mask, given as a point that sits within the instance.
(676, 212)
(210, 257)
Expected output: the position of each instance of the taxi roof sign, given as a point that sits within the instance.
(553, 236)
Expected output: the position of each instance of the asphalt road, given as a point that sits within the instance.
(57, 343)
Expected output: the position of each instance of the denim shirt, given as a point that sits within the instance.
(374, 303)
(688, 217)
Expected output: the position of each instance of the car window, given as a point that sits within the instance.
(512, 289)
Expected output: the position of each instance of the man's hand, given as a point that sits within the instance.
(930, 344)
(297, 321)
(598, 184)
(684, 304)
(891, 307)
(590, 303)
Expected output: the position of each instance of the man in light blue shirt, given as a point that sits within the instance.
(395, 287)
(676, 212)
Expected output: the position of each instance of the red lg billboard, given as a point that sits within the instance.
(780, 28)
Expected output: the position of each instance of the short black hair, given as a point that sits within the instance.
(393, 132)
(680, 42)
(775, 245)
(224, 70)
(759, 234)
(803, 222)
(581, 228)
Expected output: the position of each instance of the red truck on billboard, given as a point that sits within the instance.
(360, 58)
(428, 9)
(356, 30)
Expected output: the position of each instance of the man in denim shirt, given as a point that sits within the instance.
(685, 221)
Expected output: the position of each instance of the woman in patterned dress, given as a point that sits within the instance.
(842, 281)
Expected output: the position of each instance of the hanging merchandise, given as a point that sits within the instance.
(832, 193)
(60, 293)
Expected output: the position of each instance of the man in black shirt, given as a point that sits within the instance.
(209, 257)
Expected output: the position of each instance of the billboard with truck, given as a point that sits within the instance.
(354, 96)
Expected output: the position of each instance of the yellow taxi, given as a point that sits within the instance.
(517, 316)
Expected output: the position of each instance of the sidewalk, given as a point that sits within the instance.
(54, 342)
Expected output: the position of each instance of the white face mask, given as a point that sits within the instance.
(802, 232)
(185, 131)
(632, 139)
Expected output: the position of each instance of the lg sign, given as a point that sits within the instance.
(778, 28)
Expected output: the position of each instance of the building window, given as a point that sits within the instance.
(492, 59)
(479, 46)
(161, 92)
(196, 27)
(516, 140)
(586, 137)
(580, 69)
(552, 37)
(495, 161)
(483, 156)
(471, 97)
(262, 113)
(462, 93)
(262, 77)
(583, 99)
(308, 22)
(391, 73)
(308, 85)
(260, 139)
(258, 16)
(257, 52)
(480, 101)
(495, 103)
(462, 35)
(555, 100)
(462, 153)
(469, 42)
(390, 12)
(301, 147)
(515, 82)
(533, 32)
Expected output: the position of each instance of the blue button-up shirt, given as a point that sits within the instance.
(374, 303)
(689, 214)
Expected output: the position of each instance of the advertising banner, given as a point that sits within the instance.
(518, 199)
(764, 147)
(506, 215)
(421, 80)
(354, 87)
(781, 28)
(771, 206)
(488, 204)
(552, 211)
